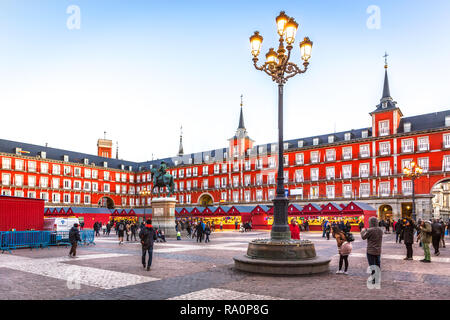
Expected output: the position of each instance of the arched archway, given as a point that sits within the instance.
(385, 212)
(205, 200)
(106, 202)
(440, 200)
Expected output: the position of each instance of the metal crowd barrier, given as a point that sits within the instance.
(12, 240)
(23, 239)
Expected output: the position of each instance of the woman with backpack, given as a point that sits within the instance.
(344, 249)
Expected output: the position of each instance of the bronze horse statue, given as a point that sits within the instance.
(161, 179)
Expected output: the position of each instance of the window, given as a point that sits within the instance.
(347, 136)
(259, 179)
(384, 168)
(87, 186)
(347, 190)
(223, 196)
(56, 169)
(406, 163)
(384, 189)
(31, 166)
(224, 168)
(77, 172)
(247, 180)
(66, 158)
(224, 182)
(286, 176)
(106, 187)
(424, 164)
(331, 154)
(407, 145)
(364, 170)
(66, 170)
(407, 127)
(235, 181)
(347, 153)
(188, 198)
(123, 177)
(259, 195)
(18, 180)
(314, 156)
(273, 147)
(247, 196)
(407, 187)
(19, 165)
(205, 170)
(55, 183)
(272, 162)
(56, 198)
(423, 144)
(364, 190)
(286, 160)
(76, 198)
(385, 148)
(248, 165)
(236, 166)
(259, 163)
(31, 181)
(364, 151)
(181, 172)
(383, 128)
(365, 134)
(314, 192)
(315, 141)
(299, 175)
(330, 139)
(217, 183)
(117, 177)
(44, 167)
(77, 185)
(271, 194)
(271, 178)
(205, 184)
(330, 173)
(44, 196)
(189, 171)
(188, 185)
(44, 182)
(32, 194)
(66, 198)
(330, 192)
(181, 198)
(447, 121)
(236, 196)
(94, 186)
(346, 172)
(300, 143)
(299, 158)
(314, 174)
(106, 175)
(124, 189)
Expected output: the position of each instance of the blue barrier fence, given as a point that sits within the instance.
(11, 240)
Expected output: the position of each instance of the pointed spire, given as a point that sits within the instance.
(180, 149)
(386, 91)
(117, 149)
(241, 117)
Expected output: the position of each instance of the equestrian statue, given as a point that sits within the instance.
(162, 179)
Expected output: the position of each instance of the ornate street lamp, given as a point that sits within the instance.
(280, 254)
(280, 69)
(145, 193)
(414, 172)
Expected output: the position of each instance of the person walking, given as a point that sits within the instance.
(147, 236)
(74, 237)
(188, 229)
(436, 232)
(408, 237)
(425, 238)
(199, 230)
(207, 233)
(295, 230)
(348, 227)
(324, 227)
(108, 229)
(328, 230)
(344, 249)
(133, 230)
(120, 231)
(374, 237)
(221, 225)
(398, 231)
(236, 225)
(443, 232)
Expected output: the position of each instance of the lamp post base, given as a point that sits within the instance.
(280, 228)
(282, 257)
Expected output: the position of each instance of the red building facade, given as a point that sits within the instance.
(364, 165)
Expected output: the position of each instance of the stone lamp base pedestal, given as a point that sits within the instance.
(163, 215)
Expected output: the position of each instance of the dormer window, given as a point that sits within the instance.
(447, 121)
(43, 154)
(347, 136)
(86, 161)
(300, 143)
(286, 145)
(105, 164)
(175, 162)
(364, 134)
(330, 139)
(66, 158)
(315, 141)
(122, 167)
(407, 127)
(18, 150)
(273, 147)
(384, 105)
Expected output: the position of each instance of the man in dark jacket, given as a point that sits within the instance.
(199, 230)
(148, 237)
(374, 236)
(398, 231)
(74, 237)
(408, 237)
(436, 232)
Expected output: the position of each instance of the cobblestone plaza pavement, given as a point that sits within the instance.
(188, 270)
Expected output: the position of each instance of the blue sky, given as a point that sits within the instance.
(140, 69)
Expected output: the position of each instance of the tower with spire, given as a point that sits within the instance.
(180, 149)
(386, 117)
(240, 142)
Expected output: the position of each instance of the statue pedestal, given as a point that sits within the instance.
(163, 215)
